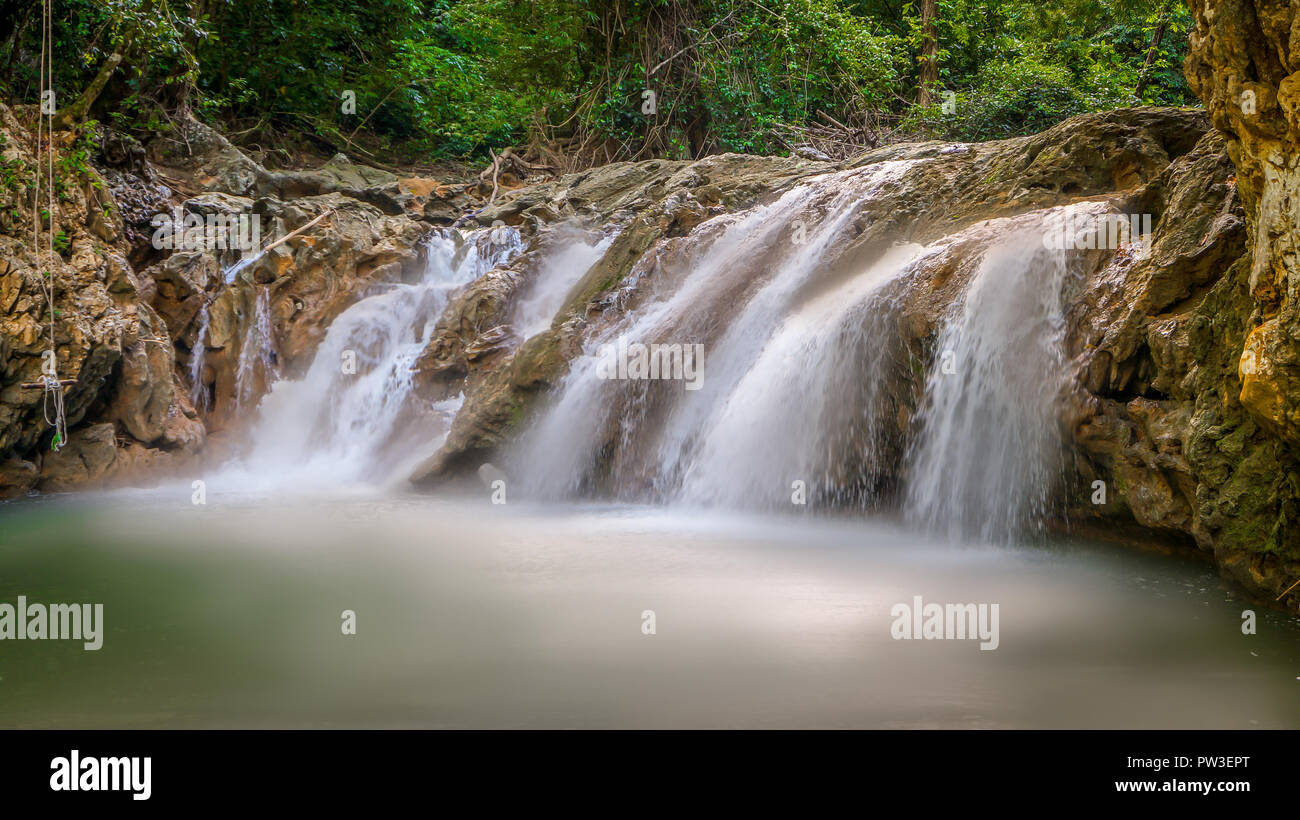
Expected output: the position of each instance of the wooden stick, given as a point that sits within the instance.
(294, 233)
(35, 385)
(177, 184)
(496, 169)
(1288, 589)
(832, 120)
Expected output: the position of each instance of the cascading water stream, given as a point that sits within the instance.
(244, 262)
(761, 441)
(258, 358)
(805, 379)
(987, 458)
(560, 270)
(352, 417)
(760, 259)
(751, 337)
(257, 346)
(198, 356)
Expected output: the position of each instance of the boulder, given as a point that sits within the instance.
(85, 461)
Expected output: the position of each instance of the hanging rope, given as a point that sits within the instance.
(52, 401)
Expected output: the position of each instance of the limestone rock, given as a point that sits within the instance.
(142, 393)
(86, 460)
(17, 477)
(1243, 63)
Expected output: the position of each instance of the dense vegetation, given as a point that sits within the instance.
(599, 79)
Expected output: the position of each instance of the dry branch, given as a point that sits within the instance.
(297, 231)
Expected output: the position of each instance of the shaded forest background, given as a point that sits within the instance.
(582, 82)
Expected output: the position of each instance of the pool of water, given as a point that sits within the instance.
(470, 615)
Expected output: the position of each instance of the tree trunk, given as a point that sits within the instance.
(75, 113)
(7, 13)
(929, 53)
(1156, 37)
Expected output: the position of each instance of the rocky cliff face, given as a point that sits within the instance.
(111, 343)
(1243, 444)
(653, 207)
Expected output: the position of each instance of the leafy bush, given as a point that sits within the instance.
(1021, 97)
(457, 78)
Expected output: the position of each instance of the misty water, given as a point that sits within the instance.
(478, 615)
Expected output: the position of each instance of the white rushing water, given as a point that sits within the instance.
(199, 390)
(988, 456)
(740, 414)
(239, 266)
(800, 347)
(257, 348)
(258, 358)
(352, 417)
(801, 381)
(761, 440)
(560, 271)
(745, 274)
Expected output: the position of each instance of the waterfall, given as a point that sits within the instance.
(789, 417)
(771, 336)
(987, 459)
(832, 376)
(258, 358)
(559, 271)
(257, 346)
(198, 390)
(738, 279)
(245, 261)
(352, 416)
(808, 389)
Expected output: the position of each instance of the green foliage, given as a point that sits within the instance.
(476, 76)
(457, 78)
(15, 175)
(73, 163)
(154, 37)
(789, 60)
(1011, 98)
(1018, 67)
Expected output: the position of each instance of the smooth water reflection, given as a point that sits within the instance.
(473, 615)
